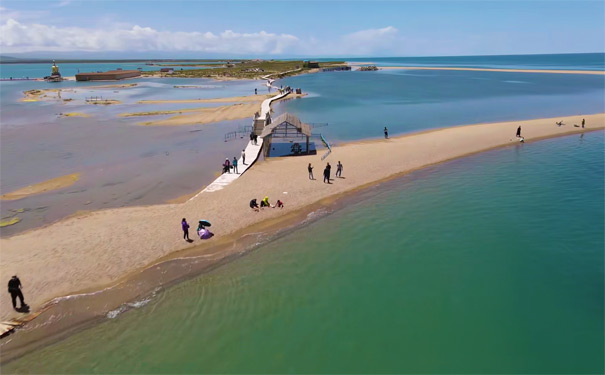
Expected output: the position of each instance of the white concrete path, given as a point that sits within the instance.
(252, 153)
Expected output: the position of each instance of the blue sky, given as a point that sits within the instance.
(306, 28)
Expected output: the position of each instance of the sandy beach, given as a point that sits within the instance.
(94, 250)
(593, 72)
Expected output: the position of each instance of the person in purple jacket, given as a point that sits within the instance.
(185, 226)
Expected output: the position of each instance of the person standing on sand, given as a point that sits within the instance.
(185, 227)
(583, 122)
(226, 166)
(310, 169)
(386, 133)
(327, 173)
(255, 91)
(244, 157)
(519, 132)
(339, 169)
(14, 288)
(234, 163)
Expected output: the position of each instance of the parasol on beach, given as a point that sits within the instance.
(205, 223)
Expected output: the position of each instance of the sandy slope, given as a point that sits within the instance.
(97, 248)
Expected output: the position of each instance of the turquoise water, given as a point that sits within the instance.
(358, 105)
(570, 61)
(488, 264)
(40, 70)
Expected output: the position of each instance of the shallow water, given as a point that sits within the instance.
(488, 264)
(124, 164)
(358, 105)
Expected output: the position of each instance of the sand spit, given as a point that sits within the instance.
(595, 72)
(208, 115)
(233, 99)
(112, 244)
(42, 187)
(247, 107)
(74, 114)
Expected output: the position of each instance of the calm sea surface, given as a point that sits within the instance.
(488, 264)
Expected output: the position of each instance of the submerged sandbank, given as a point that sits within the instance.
(202, 115)
(246, 106)
(111, 244)
(595, 72)
(42, 187)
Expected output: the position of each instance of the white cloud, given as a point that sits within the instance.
(20, 37)
(63, 3)
(373, 41)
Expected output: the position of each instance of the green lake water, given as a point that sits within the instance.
(488, 264)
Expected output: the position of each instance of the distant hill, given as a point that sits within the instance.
(13, 59)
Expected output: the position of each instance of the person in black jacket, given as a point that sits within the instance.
(14, 288)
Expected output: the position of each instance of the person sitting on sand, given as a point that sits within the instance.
(205, 234)
(265, 202)
(200, 226)
(254, 205)
(279, 204)
(559, 123)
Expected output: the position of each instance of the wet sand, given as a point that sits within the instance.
(233, 99)
(595, 72)
(246, 107)
(75, 114)
(37, 95)
(114, 243)
(42, 187)
(207, 115)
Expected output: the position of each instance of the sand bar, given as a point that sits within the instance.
(208, 115)
(233, 99)
(75, 114)
(594, 72)
(112, 244)
(42, 187)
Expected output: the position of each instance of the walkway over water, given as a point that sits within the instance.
(252, 152)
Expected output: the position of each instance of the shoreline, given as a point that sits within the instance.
(467, 138)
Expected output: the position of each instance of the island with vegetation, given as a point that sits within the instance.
(248, 69)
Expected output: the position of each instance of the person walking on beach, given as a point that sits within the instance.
(185, 227)
(255, 91)
(244, 157)
(583, 122)
(255, 139)
(339, 169)
(234, 164)
(227, 166)
(386, 133)
(327, 173)
(14, 288)
(310, 169)
(519, 132)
